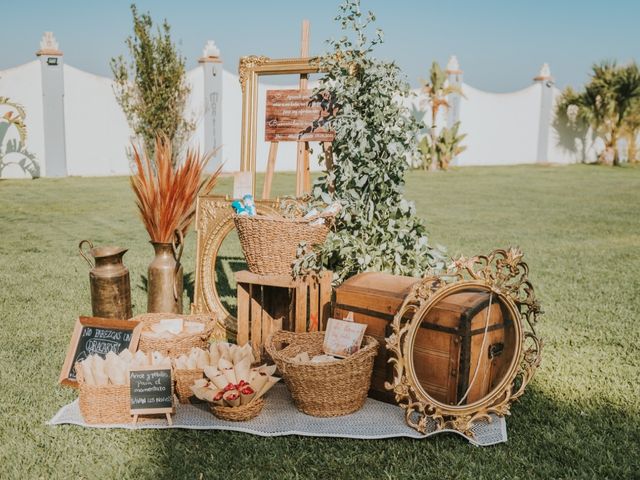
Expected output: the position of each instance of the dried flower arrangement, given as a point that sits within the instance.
(166, 196)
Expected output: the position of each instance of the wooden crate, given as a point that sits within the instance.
(267, 303)
(447, 349)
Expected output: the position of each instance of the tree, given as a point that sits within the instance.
(375, 138)
(437, 90)
(13, 151)
(606, 104)
(151, 87)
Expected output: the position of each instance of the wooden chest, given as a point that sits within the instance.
(449, 346)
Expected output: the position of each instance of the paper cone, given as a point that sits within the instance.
(126, 356)
(258, 381)
(268, 369)
(99, 374)
(214, 354)
(211, 372)
(224, 363)
(267, 386)
(200, 382)
(230, 375)
(242, 370)
(202, 358)
(217, 398)
(232, 398)
(87, 370)
(246, 395)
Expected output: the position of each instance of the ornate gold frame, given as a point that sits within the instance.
(250, 69)
(505, 274)
(214, 221)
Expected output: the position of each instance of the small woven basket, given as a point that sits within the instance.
(183, 342)
(184, 380)
(270, 244)
(101, 404)
(323, 389)
(238, 414)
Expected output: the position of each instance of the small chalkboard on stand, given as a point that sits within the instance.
(93, 335)
(151, 391)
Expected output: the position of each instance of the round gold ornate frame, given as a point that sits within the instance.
(505, 274)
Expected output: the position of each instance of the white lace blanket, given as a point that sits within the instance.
(280, 417)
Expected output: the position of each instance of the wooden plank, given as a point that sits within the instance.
(243, 313)
(326, 291)
(256, 320)
(266, 319)
(245, 276)
(271, 166)
(314, 311)
(301, 307)
(301, 168)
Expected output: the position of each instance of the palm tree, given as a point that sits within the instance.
(437, 90)
(606, 102)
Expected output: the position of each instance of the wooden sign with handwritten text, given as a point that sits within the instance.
(296, 116)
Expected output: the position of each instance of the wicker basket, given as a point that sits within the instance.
(100, 404)
(238, 414)
(323, 389)
(270, 244)
(184, 380)
(182, 343)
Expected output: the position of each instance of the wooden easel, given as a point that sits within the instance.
(303, 175)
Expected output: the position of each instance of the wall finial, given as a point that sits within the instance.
(48, 45)
(210, 52)
(544, 73)
(453, 66)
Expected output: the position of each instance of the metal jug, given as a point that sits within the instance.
(109, 280)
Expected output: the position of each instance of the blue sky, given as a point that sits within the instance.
(500, 44)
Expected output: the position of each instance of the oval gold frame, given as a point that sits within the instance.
(505, 274)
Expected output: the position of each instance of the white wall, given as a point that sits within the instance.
(502, 129)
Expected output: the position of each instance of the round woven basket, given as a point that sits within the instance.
(184, 380)
(270, 244)
(238, 414)
(323, 389)
(182, 343)
(103, 403)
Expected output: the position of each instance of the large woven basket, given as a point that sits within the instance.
(323, 389)
(270, 244)
(182, 343)
(184, 380)
(238, 414)
(100, 404)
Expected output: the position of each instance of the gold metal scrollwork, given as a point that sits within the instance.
(505, 274)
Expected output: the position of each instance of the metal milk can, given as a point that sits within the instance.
(109, 280)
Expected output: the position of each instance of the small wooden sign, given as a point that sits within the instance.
(93, 335)
(298, 116)
(343, 337)
(151, 391)
(242, 184)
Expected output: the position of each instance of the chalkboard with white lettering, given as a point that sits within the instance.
(99, 336)
(151, 390)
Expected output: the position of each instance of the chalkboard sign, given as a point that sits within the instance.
(92, 335)
(151, 391)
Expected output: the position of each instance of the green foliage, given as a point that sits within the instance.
(606, 105)
(377, 228)
(151, 88)
(439, 148)
(447, 146)
(13, 151)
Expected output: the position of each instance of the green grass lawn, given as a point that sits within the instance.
(579, 227)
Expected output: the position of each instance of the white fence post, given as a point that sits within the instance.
(545, 80)
(212, 70)
(52, 68)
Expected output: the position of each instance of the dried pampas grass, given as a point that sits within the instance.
(166, 196)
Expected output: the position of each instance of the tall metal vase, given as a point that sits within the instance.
(166, 277)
